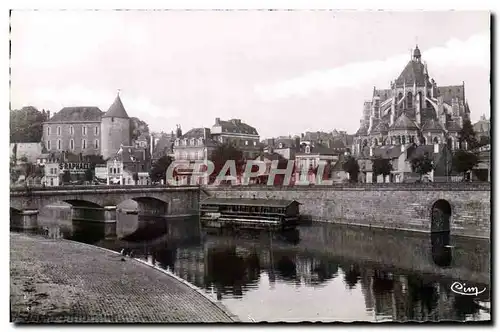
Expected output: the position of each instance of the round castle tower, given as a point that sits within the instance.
(115, 129)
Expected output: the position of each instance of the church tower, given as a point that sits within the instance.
(115, 129)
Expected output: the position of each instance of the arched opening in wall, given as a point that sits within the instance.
(435, 140)
(440, 233)
(409, 100)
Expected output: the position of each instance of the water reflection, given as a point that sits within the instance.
(250, 275)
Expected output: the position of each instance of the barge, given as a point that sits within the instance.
(249, 213)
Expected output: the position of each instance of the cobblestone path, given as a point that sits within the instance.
(61, 281)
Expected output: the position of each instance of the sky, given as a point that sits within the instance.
(283, 72)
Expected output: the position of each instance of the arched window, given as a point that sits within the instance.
(58, 131)
(403, 140)
(59, 144)
(423, 140)
(71, 144)
(409, 100)
(71, 130)
(435, 140)
(308, 149)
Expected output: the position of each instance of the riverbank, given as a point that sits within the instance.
(59, 281)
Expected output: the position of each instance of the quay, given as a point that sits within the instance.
(60, 281)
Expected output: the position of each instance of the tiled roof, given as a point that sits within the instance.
(269, 156)
(412, 73)
(116, 110)
(80, 113)
(432, 125)
(404, 122)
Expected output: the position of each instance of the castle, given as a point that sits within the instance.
(413, 110)
(88, 130)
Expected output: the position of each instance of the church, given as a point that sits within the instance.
(414, 110)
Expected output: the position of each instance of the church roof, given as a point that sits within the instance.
(75, 114)
(116, 110)
(432, 126)
(404, 123)
(381, 128)
(413, 73)
(362, 131)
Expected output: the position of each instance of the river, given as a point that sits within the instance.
(325, 272)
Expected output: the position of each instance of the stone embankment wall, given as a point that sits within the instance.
(392, 206)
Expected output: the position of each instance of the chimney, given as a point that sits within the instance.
(217, 121)
(436, 148)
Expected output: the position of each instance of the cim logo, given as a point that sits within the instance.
(462, 289)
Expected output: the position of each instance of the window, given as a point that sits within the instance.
(71, 130)
(96, 144)
(84, 130)
(58, 144)
(96, 130)
(177, 142)
(58, 131)
(246, 142)
(110, 170)
(84, 144)
(254, 143)
(71, 144)
(48, 145)
(48, 130)
(191, 141)
(51, 181)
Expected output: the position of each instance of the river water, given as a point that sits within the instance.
(323, 272)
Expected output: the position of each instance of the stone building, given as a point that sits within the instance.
(414, 109)
(240, 134)
(87, 130)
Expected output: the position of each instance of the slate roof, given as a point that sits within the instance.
(199, 133)
(76, 114)
(450, 91)
(404, 122)
(248, 202)
(318, 149)
(116, 110)
(236, 126)
(269, 156)
(128, 154)
(432, 125)
(453, 126)
(413, 73)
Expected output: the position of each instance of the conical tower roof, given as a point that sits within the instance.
(116, 110)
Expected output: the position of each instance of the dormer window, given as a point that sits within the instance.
(308, 149)
(280, 145)
(191, 141)
(200, 141)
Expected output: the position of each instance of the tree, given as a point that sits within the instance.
(464, 161)
(135, 176)
(159, 170)
(351, 166)
(484, 140)
(381, 166)
(222, 154)
(137, 128)
(26, 125)
(89, 175)
(467, 134)
(66, 177)
(421, 164)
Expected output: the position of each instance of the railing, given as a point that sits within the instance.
(92, 187)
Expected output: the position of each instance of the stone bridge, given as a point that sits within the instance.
(98, 203)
